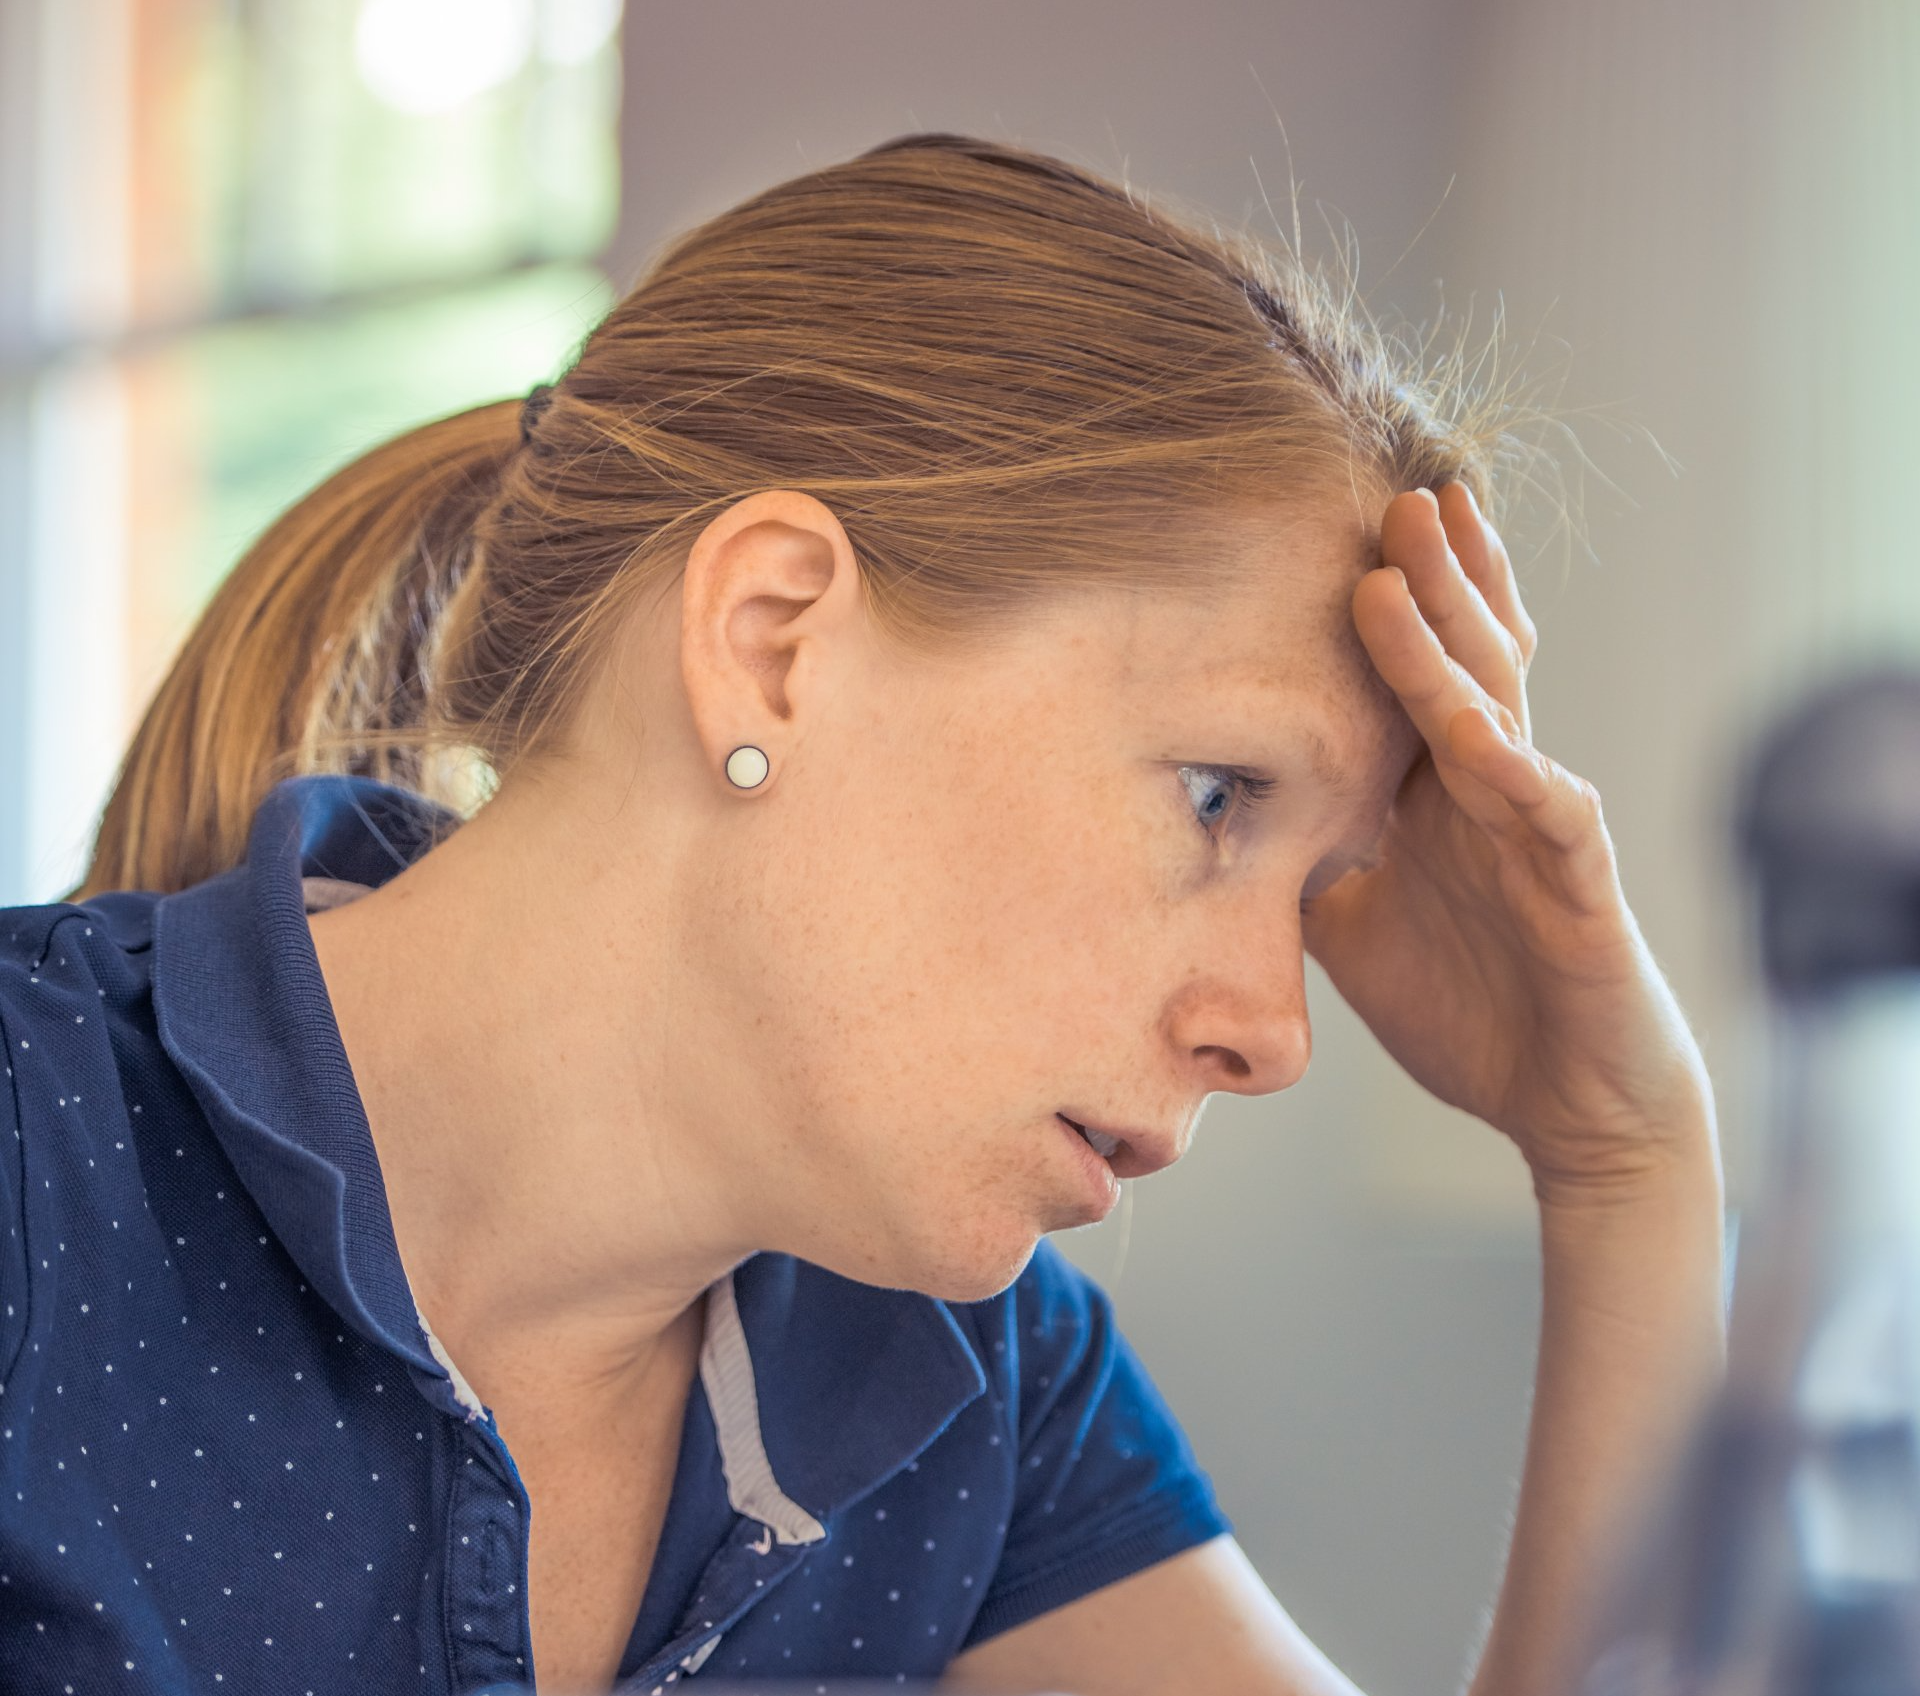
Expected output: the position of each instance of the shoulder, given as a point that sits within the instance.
(1105, 1481)
(70, 972)
(1051, 1292)
(53, 949)
(75, 1012)
(121, 919)
(1051, 1305)
(1050, 1336)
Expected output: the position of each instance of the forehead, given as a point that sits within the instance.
(1274, 614)
(1265, 658)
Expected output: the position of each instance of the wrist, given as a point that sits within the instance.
(1647, 1245)
(1677, 1166)
(1652, 1165)
(1674, 1176)
(1633, 1308)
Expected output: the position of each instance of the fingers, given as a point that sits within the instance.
(1414, 538)
(1456, 658)
(1407, 651)
(1544, 797)
(1432, 685)
(1483, 556)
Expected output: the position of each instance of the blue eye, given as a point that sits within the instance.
(1213, 795)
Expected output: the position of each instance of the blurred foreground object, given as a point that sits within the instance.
(1784, 1558)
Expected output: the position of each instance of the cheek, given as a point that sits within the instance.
(882, 954)
(922, 953)
(1055, 925)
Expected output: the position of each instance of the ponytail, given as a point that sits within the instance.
(1009, 377)
(317, 642)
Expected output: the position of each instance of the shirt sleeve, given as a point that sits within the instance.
(1107, 1481)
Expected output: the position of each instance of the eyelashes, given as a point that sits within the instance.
(1245, 793)
(1242, 787)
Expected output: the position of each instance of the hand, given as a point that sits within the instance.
(1491, 949)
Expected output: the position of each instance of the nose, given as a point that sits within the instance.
(1246, 1029)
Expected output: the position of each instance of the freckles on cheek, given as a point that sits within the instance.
(1096, 943)
(1041, 875)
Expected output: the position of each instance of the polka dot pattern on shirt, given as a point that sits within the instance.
(233, 1460)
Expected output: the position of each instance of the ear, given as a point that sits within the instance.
(770, 601)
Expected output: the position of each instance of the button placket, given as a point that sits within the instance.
(487, 1626)
(735, 1581)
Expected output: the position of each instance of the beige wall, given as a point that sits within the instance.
(1337, 1289)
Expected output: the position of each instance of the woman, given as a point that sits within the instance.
(943, 653)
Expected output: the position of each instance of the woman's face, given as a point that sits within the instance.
(971, 898)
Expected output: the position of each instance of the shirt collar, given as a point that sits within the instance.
(821, 1387)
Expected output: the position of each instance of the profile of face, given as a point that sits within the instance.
(976, 894)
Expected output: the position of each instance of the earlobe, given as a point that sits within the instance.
(773, 569)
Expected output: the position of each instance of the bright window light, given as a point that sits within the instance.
(572, 31)
(434, 55)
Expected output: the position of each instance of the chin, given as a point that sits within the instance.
(976, 1281)
(967, 1263)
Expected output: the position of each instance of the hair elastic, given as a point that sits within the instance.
(531, 408)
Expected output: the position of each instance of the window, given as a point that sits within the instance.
(260, 236)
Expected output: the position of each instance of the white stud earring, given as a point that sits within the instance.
(747, 767)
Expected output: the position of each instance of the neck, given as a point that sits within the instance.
(560, 1193)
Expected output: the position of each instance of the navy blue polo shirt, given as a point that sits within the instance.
(233, 1454)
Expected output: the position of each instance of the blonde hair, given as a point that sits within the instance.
(1006, 375)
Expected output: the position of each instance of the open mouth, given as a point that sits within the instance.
(1102, 1144)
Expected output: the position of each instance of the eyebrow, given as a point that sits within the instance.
(1327, 770)
(1286, 692)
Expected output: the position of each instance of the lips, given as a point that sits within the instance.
(1103, 1144)
(1131, 1154)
